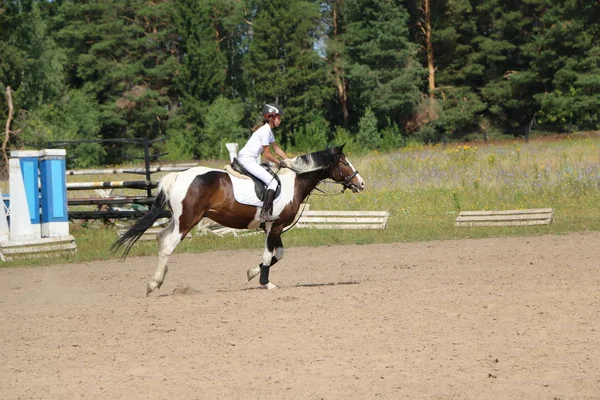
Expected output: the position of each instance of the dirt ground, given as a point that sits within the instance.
(512, 318)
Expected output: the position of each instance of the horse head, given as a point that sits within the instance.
(343, 171)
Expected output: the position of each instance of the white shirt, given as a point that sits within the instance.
(263, 136)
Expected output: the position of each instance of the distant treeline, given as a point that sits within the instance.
(372, 73)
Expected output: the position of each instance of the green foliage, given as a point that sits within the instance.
(74, 117)
(368, 136)
(12, 54)
(282, 64)
(211, 35)
(576, 99)
(43, 70)
(342, 136)
(312, 136)
(149, 69)
(381, 71)
(125, 54)
(222, 125)
(181, 140)
(460, 110)
(391, 137)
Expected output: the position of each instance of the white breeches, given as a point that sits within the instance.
(255, 169)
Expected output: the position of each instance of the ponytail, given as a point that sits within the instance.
(264, 121)
(255, 127)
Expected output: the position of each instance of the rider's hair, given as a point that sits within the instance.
(265, 120)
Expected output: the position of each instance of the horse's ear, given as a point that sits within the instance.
(338, 150)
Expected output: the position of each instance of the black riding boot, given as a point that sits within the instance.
(266, 213)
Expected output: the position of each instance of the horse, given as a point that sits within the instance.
(207, 192)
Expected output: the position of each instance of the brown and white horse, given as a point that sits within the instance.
(204, 192)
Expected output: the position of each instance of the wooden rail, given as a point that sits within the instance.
(536, 216)
(343, 219)
(32, 248)
(165, 168)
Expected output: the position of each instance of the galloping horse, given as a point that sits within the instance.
(205, 192)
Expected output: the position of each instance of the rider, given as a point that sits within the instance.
(259, 143)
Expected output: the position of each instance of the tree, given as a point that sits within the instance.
(368, 135)
(564, 58)
(211, 41)
(223, 124)
(383, 72)
(336, 57)
(32, 66)
(211, 35)
(282, 64)
(126, 55)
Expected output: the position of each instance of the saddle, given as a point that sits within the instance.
(259, 186)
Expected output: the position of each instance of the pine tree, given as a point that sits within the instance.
(383, 71)
(282, 64)
(211, 37)
(125, 54)
(333, 11)
(564, 58)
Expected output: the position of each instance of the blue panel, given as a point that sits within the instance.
(54, 190)
(58, 189)
(29, 170)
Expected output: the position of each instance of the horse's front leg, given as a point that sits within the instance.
(272, 254)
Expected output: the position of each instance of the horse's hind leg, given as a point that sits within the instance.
(167, 239)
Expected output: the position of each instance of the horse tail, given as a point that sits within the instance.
(128, 239)
(166, 185)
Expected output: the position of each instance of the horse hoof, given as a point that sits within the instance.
(252, 272)
(269, 286)
(150, 288)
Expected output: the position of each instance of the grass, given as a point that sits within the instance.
(424, 188)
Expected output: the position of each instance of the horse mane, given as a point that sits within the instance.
(315, 161)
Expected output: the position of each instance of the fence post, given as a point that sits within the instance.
(147, 164)
(55, 216)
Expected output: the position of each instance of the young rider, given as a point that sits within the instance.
(259, 143)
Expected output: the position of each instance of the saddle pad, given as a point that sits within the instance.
(243, 191)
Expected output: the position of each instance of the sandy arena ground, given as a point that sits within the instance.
(514, 318)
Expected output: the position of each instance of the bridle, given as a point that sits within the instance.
(347, 183)
(347, 180)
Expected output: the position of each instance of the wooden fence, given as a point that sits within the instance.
(108, 206)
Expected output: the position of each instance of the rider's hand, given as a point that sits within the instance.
(285, 163)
